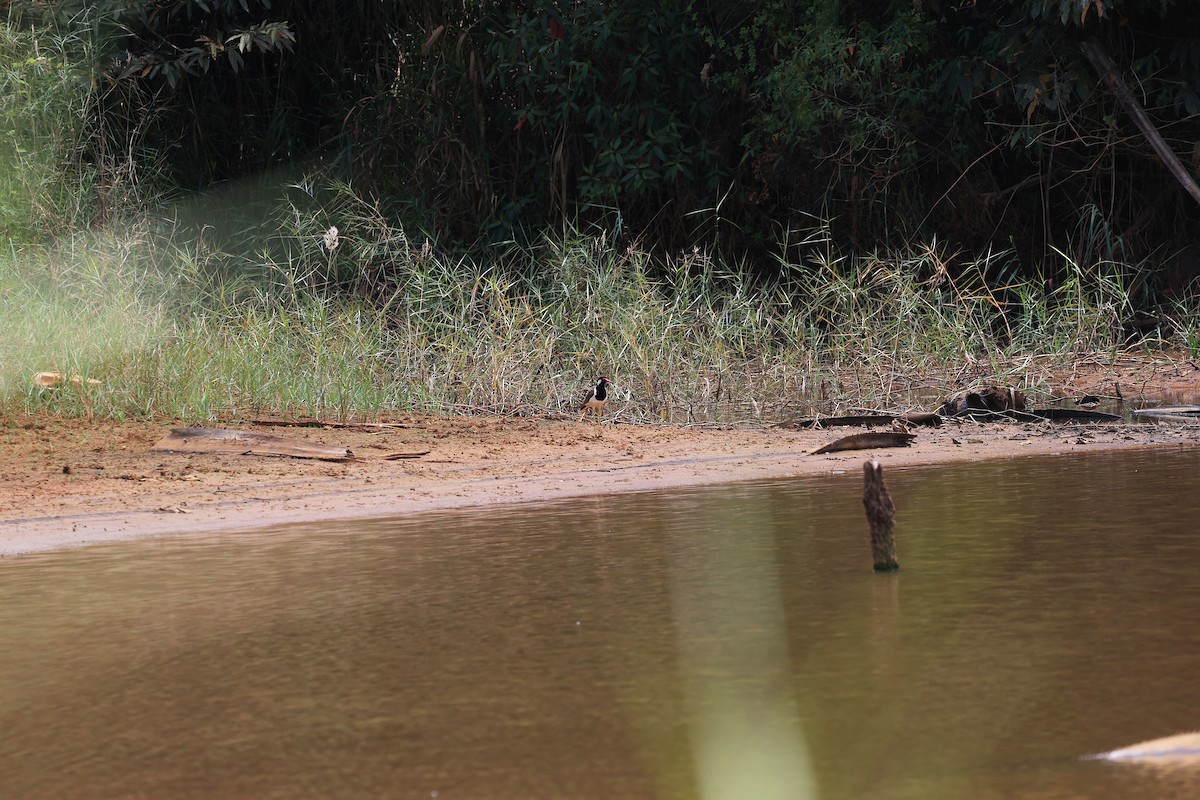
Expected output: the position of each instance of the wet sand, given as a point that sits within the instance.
(67, 483)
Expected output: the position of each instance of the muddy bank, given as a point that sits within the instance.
(72, 482)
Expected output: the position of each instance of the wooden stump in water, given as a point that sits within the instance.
(882, 515)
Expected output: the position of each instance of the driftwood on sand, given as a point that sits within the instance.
(915, 418)
(235, 442)
(868, 441)
(1188, 415)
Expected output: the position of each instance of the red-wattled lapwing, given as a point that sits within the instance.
(596, 398)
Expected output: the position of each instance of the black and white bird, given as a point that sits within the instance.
(596, 398)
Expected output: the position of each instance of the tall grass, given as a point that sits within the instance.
(386, 323)
(196, 314)
(72, 150)
(44, 102)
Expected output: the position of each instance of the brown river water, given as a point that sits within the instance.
(723, 643)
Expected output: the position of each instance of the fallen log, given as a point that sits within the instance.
(225, 440)
(1075, 415)
(1184, 414)
(867, 441)
(317, 423)
(921, 418)
(251, 443)
(1037, 415)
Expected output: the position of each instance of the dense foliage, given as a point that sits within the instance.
(735, 124)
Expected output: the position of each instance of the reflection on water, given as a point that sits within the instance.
(718, 643)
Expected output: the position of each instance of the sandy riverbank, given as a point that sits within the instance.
(68, 482)
(72, 482)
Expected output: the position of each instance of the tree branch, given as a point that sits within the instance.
(1095, 53)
